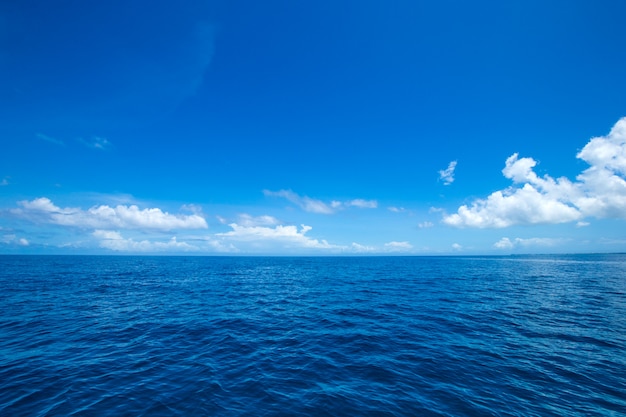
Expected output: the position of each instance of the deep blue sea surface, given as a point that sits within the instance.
(340, 336)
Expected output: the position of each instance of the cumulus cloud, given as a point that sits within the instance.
(43, 210)
(113, 240)
(457, 247)
(447, 175)
(599, 191)
(318, 206)
(506, 243)
(288, 236)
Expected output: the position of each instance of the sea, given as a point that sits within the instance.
(313, 336)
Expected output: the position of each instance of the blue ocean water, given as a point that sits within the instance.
(340, 336)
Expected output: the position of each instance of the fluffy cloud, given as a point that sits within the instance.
(447, 175)
(317, 206)
(288, 236)
(105, 217)
(599, 191)
(425, 225)
(506, 243)
(113, 240)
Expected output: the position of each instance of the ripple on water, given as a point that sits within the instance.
(313, 336)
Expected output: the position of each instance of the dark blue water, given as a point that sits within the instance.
(132, 336)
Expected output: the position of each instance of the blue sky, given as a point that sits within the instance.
(312, 127)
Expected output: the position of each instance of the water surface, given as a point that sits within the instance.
(383, 336)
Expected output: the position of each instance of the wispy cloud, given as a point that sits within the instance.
(4, 182)
(398, 246)
(50, 139)
(599, 191)
(447, 175)
(96, 142)
(43, 210)
(360, 203)
(318, 206)
(425, 225)
(305, 203)
(247, 220)
(506, 243)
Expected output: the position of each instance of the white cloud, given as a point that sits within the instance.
(192, 208)
(599, 191)
(506, 243)
(425, 225)
(447, 175)
(539, 241)
(305, 203)
(358, 248)
(113, 240)
(396, 209)
(457, 247)
(247, 220)
(288, 236)
(398, 246)
(4, 182)
(360, 203)
(106, 217)
(318, 206)
(12, 239)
